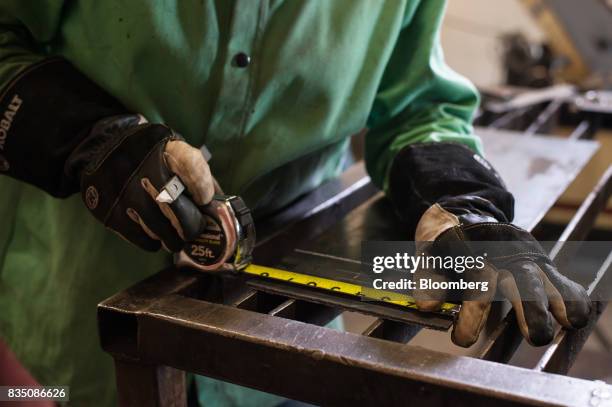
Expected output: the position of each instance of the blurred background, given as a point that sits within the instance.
(546, 45)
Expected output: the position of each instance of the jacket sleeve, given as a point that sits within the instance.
(46, 105)
(420, 147)
(420, 99)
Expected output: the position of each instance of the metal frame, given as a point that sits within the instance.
(251, 335)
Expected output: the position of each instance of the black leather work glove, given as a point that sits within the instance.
(458, 199)
(124, 164)
(516, 267)
(63, 134)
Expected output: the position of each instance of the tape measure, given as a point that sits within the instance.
(355, 290)
(227, 242)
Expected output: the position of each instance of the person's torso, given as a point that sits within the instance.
(313, 73)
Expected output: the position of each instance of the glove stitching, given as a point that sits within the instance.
(90, 168)
(496, 225)
(129, 180)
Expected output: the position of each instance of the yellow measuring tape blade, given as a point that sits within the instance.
(339, 286)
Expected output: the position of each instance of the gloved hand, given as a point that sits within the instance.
(124, 163)
(66, 134)
(517, 267)
(456, 197)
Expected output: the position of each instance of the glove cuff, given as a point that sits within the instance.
(448, 213)
(46, 111)
(451, 175)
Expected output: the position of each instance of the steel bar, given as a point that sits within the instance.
(584, 219)
(392, 330)
(323, 366)
(117, 323)
(149, 385)
(530, 97)
(306, 311)
(544, 117)
(348, 303)
(506, 119)
(259, 301)
(590, 208)
(247, 298)
(561, 354)
(279, 306)
(584, 130)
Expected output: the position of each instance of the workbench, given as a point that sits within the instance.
(274, 339)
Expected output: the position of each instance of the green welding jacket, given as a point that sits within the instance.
(274, 88)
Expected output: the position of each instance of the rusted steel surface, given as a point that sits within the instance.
(149, 385)
(324, 366)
